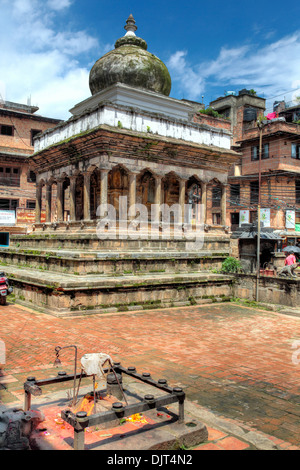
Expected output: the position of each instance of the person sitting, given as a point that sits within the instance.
(290, 265)
(290, 259)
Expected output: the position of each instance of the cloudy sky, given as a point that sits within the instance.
(49, 46)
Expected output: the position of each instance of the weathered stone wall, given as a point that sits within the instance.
(273, 290)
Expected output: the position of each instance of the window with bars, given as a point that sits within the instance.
(30, 204)
(9, 176)
(297, 191)
(216, 196)
(234, 194)
(9, 204)
(295, 150)
(255, 152)
(254, 192)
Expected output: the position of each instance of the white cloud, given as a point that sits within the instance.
(191, 83)
(270, 70)
(40, 61)
(59, 4)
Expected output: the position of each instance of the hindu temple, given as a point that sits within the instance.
(122, 184)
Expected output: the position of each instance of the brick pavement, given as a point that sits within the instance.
(235, 361)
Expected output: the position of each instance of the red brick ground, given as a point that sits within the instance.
(235, 361)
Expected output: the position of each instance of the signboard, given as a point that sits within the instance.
(290, 219)
(265, 217)
(244, 217)
(27, 216)
(7, 217)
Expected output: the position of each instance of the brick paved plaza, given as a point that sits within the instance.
(237, 362)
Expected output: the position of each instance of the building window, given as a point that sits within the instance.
(216, 218)
(235, 220)
(6, 130)
(297, 191)
(253, 217)
(216, 196)
(30, 204)
(254, 192)
(31, 177)
(295, 150)
(9, 204)
(9, 176)
(265, 151)
(255, 152)
(234, 194)
(34, 132)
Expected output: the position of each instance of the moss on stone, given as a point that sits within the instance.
(133, 66)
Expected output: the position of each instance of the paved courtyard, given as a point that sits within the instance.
(236, 362)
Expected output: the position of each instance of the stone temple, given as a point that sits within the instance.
(126, 185)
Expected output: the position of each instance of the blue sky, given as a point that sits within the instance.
(49, 46)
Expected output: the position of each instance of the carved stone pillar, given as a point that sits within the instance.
(48, 201)
(223, 204)
(86, 196)
(72, 198)
(38, 204)
(204, 201)
(60, 200)
(157, 197)
(104, 186)
(182, 187)
(132, 191)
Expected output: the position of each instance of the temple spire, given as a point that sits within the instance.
(130, 26)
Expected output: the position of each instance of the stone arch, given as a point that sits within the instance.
(170, 188)
(146, 188)
(194, 198)
(118, 185)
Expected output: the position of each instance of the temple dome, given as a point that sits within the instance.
(130, 63)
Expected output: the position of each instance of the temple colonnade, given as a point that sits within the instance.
(74, 197)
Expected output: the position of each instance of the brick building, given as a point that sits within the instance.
(241, 110)
(18, 126)
(279, 165)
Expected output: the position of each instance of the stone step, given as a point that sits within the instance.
(113, 263)
(73, 295)
(90, 242)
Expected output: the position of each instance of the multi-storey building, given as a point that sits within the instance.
(18, 126)
(277, 168)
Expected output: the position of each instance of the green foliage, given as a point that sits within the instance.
(210, 112)
(230, 265)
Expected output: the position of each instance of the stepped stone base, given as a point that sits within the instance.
(69, 295)
(71, 274)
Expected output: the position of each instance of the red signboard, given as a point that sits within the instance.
(27, 216)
